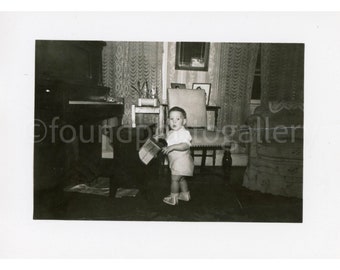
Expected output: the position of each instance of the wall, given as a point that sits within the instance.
(189, 77)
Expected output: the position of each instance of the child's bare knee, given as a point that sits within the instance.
(182, 179)
(176, 178)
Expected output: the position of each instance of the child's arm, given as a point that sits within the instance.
(160, 136)
(177, 147)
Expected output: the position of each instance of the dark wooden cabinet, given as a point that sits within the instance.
(67, 70)
(73, 61)
(69, 98)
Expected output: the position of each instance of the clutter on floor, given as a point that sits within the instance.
(100, 186)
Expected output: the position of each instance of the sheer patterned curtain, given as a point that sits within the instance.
(126, 63)
(237, 68)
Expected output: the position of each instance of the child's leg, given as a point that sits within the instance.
(185, 194)
(175, 179)
(183, 185)
(173, 198)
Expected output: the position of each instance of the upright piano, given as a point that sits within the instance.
(70, 106)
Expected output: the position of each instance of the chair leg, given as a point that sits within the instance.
(227, 163)
(204, 155)
(192, 152)
(214, 157)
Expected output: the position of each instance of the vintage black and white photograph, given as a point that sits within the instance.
(116, 140)
(111, 150)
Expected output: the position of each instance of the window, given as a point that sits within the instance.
(256, 90)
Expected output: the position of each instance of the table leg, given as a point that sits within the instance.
(161, 120)
(226, 164)
(216, 117)
(133, 116)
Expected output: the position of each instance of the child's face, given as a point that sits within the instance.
(176, 120)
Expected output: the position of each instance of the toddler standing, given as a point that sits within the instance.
(181, 162)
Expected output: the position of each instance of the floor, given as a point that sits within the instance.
(212, 200)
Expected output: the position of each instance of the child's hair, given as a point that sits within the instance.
(178, 109)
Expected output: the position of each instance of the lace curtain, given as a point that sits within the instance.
(237, 68)
(126, 63)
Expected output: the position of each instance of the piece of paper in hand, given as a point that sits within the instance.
(149, 150)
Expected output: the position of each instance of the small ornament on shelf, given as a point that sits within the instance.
(147, 96)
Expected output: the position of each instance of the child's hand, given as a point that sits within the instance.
(160, 136)
(167, 150)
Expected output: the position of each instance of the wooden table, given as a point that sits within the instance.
(214, 109)
(149, 110)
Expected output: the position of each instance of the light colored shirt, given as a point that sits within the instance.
(180, 162)
(180, 136)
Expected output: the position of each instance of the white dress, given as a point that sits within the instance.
(180, 162)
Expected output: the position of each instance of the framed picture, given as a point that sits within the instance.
(178, 85)
(206, 87)
(192, 56)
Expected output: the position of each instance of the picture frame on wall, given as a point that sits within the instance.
(206, 87)
(192, 56)
(178, 85)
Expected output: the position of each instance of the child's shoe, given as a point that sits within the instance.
(184, 196)
(172, 199)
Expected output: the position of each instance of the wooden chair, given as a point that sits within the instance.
(194, 103)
